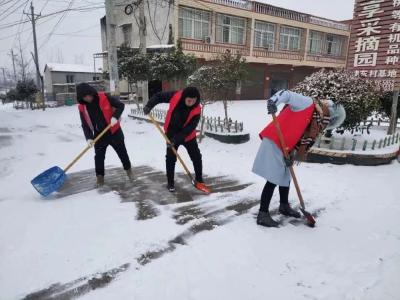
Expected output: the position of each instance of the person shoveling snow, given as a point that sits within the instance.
(296, 127)
(97, 110)
(183, 116)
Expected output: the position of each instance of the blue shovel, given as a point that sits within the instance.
(52, 179)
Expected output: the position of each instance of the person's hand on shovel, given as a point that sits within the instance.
(113, 121)
(271, 106)
(146, 110)
(90, 143)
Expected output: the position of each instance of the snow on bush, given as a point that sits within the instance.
(359, 96)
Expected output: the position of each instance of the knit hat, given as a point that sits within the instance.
(83, 89)
(337, 114)
(191, 92)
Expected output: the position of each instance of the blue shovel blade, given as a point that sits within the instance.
(49, 181)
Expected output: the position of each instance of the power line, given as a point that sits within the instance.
(44, 5)
(13, 11)
(58, 22)
(20, 28)
(79, 9)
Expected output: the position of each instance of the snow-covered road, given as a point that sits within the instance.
(138, 242)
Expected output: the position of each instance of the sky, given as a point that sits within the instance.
(74, 37)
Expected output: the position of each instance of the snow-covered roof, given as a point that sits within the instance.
(73, 68)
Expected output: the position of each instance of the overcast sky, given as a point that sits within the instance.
(77, 35)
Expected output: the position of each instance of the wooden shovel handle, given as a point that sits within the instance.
(173, 148)
(286, 154)
(87, 148)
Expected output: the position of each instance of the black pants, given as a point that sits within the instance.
(117, 142)
(267, 193)
(194, 153)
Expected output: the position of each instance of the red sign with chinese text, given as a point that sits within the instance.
(374, 50)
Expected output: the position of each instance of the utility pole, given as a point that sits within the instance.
(143, 47)
(22, 61)
(112, 49)
(394, 116)
(4, 76)
(33, 17)
(13, 61)
(40, 97)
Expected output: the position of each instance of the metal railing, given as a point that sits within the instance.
(211, 124)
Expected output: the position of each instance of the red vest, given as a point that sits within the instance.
(292, 123)
(172, 105)
(105, 107)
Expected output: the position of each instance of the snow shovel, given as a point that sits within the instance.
(52, 179)
(310, 219)
(198, 185)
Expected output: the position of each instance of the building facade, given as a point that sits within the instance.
(281, 46)
(60, 80)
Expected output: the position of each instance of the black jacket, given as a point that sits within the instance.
(95, 112)
(177, 132)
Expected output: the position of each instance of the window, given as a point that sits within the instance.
(264, 35)
(127, 34)
(194, 23)
(231, 30)
(333, 45)
(70, 78)
(290, 38)
(95, 78)
(315, 42)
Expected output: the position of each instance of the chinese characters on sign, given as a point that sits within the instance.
(377, 41)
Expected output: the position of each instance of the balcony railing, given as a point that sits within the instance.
(198, 46)
(328, 23)
(266, 9)
(326, 58)
(279, 12)
(259, 52)
(243, 4)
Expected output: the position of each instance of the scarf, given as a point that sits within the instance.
(320, 119)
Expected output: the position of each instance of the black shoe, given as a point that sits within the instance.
(264, 219)
(171, 188)
(286, 210)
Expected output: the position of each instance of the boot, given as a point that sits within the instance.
(99, 180)
(286, 210)
(171, 188)
(264, 219)
(129, 173)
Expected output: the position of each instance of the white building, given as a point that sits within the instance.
(60, 79)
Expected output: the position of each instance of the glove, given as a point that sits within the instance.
(169, 146)
(90, 143)
(271, 106)
(288, 162)
(146, 110)
(114, 121)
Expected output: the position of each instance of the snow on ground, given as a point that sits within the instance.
(353, 253)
